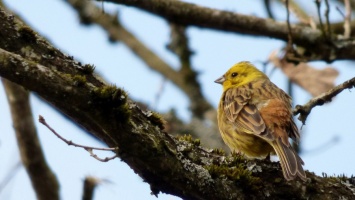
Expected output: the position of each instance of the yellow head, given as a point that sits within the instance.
(240, 74)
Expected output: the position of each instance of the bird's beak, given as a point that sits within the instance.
(220, 80)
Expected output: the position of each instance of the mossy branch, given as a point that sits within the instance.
(180, 168)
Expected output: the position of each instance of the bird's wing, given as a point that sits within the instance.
(278, 117)
(276, 114)
(249, 119)
(244, 115)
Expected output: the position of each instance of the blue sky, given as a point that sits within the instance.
(215, 53)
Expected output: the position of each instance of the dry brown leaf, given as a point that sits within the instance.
(315, 81)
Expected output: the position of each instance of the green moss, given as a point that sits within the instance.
(219, 151)
(27, 34)
(236, 159)
(112, 101)
(111, 94)
(235, 169)
(239, 174)
(156, 119)
(88, 69)
(66, 76)
(76, 80)
(79, 80)
(189, 138)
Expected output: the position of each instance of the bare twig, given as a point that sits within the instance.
(43, 121)
(340, 12)
(291, 53)
(327, 10)
(100, 159)
(306, 109)
(87, 148)
(318, 4)
(10, 175)
(159, 93)
(347, 19)
(267, 5)
(288, 25)
(297, 11)
(325, 146)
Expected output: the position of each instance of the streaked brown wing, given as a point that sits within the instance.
(277, 114)
(240, 112)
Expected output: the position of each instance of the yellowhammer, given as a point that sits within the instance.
(255, 119)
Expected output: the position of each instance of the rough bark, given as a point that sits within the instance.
(329, 48)
(178, 167)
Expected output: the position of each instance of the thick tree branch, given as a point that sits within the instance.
(185, 78)
(178, 167)
(89, 14)
(306, 109)
(166, 164)
(189, 14)
(42, 178)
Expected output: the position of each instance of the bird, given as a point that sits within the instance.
(255, 118)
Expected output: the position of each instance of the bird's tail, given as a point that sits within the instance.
(291, 163)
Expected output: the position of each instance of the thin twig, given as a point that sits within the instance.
(306, 109)
(327, 10)
(320, 18)
(323, 147)
(347, 19)
(289, 25)
(340, 11)
(69, 142)
(159, 93)
(10, 175)
(290, 52)
(87, 148)
(298, 11)
(100, 159)
(267, 5)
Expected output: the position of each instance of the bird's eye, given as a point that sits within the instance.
(234, 74)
